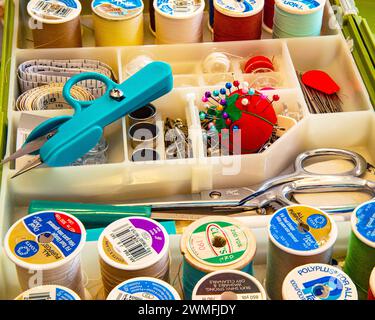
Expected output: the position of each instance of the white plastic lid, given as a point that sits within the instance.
(317, 281)
(300, 6)
(48, 292)
(57, 233)
(144, 288)
(234, 8)
(117, 10)
(182, 9)
(54, 11)
(363, 223)
(229, 285)
(133, 243)
(302, 230)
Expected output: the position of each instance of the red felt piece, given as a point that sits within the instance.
(320, 81)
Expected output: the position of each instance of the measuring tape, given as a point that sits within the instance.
(35, 73)
(48, 292)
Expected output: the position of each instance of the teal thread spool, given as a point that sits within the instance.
(215, 243)
(298, 18)
(360, 259)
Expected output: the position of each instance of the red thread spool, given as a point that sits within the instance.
(238, 20)
(269, 11)
(258, 64)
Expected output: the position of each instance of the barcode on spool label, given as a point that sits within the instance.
(131, 244)
(126, 296)
(38, 296)
(52, 9)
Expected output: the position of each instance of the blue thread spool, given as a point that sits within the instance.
(298, 18)
(215, 243)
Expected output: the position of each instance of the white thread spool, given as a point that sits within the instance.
(297, 235)
(118, 23)
(46, 248)
(229, 285)
(137, 63)
(216, 62)
(133, 247)
(48, 292)
(317, 281)
(144, 288)
(178, 24)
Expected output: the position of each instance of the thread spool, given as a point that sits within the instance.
(145, 114)
(144, 134)
(203, 246)
(258, 64)
(178, 22)
(144, 288)
(237, 20)
(371, 291)
(118, 23)
(56, 24)
(360, 259)
(317, 281)
(133, 247)
(298, 235)
(211, 11)
(269, 11)
(229, 285)
(137, 64)
(216, 62)
(45, 247)
(294, 18)
(48, 292)
(152, 16)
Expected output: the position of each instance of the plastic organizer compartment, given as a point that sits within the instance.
(120, 179)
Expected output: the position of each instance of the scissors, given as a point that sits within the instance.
(277, 192)
(61, 140)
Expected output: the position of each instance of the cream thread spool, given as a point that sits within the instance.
(118, 23)
(178, 21)
(48, 292)
(57, 23)
(215, 243)
(298, 235)
(317, 281)
(229, 285)
(45, 247)
(144, 288)
(133, 247)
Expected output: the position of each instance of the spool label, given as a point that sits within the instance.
(55, 10)
(179, 8)
(218, 243)
(45, 237)
(366, 221)
(318, 282)
(142, 290)
(218, 284)
(237, 6)
(46, 293)
(114, 9)
(134, 242)
(300, 5)
(300, 228)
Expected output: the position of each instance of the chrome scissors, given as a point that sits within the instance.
(279, 191)
(61, 140)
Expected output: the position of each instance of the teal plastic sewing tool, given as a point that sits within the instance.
(61, 140)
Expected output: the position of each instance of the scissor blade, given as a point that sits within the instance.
(35, 162)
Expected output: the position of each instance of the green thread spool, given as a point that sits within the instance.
(360, 259)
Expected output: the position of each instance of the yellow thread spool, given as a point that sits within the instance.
(118, 23)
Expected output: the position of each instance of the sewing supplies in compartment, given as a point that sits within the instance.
(55, 24)
(215, 243)
(297, 235)
(320, 92)
(238, 20)
(371, 290)
(293, 18)
(238, 120)
(133, 247)
(48, 292)
(317, 281)
(118, 23)
(229, 285)
(46, 249)
(35, 73)
(360, 258)
(144, 288)
(178, 21)
(176, 139)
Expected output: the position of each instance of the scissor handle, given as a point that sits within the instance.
(360, 163)
(77, 105)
